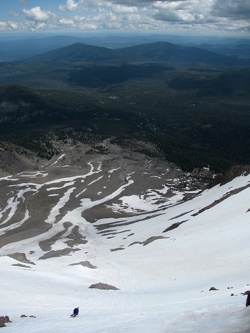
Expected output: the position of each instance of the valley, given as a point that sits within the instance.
(192, 104)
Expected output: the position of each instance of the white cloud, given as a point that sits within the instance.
(183, 11)
(67, 22)
(121, 9)
(69, 6)
(138, 15)
(83, 5)
(3, 25)
(134, 2)
(154, 15)
(40, 25)
(86, 23)
(37, 14)
(8, 25)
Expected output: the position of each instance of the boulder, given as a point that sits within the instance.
(3, 320)
(103, 286)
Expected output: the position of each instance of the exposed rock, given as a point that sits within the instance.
(149, 240)
(3, 320)
(102, 286)
(174, 226)
(213, 288)
(7, 319)
(218, 201)
(85, 264)
(15, 159)
(21, 265)
(117, 249)
(21, 257)
(59, 253)
(24, 316)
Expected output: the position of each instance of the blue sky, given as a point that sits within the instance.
(211, 17)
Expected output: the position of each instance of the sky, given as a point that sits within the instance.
(209, 17)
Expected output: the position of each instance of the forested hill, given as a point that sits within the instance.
(191, 104)
(152, 52)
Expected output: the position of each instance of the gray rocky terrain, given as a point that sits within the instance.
(40, 196)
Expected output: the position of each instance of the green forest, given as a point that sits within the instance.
(197, 114)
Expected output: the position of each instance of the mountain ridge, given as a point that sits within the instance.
(16, 48)
(150, 52)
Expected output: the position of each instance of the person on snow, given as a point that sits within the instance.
(75, 312)
(248, 298)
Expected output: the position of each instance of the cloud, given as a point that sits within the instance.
(182, 11)
(83, 5)
(150, 15)
(169, 16)
(66, 22)
(239, 9)
(100, 14)
(86, 23)
(121, 9)
(170, 10)
(8, 25)
(133, 3)
(40, 25)
(69, 6)
(37, 14)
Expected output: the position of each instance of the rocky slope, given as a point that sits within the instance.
(39, 199)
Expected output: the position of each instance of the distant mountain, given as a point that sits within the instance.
(76, 52)
(17, 48)
(151, 52)
(163, 51)
(240, 49)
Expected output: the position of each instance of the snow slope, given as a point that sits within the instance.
(163, 258)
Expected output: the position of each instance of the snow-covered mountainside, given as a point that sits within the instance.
(140, 232)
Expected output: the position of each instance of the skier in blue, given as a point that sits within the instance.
(75, 312)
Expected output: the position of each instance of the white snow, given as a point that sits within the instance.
(163, 284)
